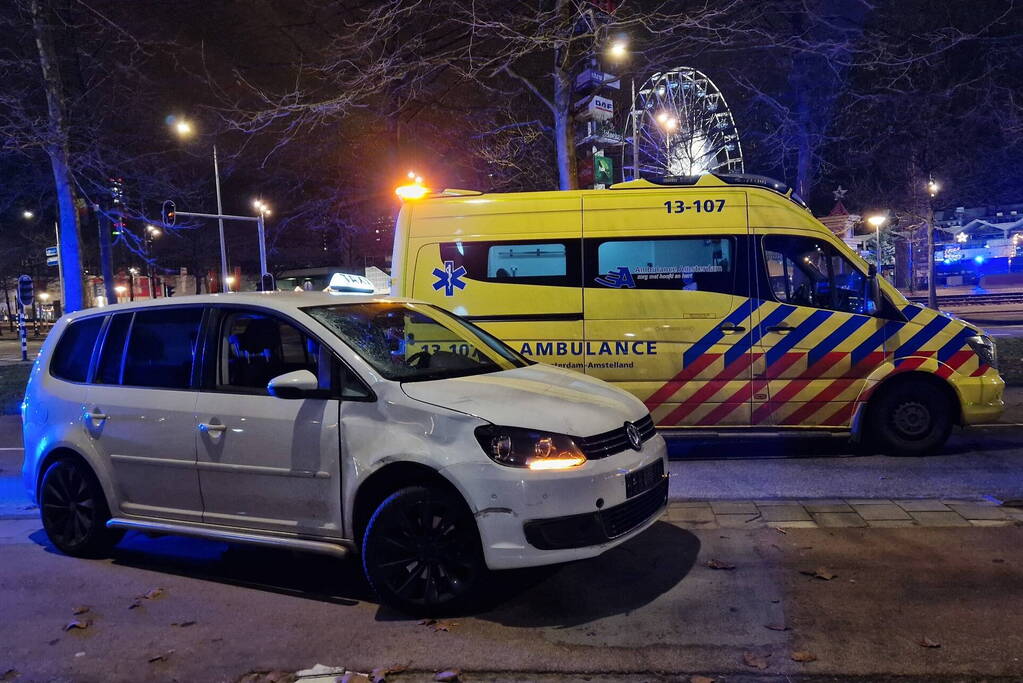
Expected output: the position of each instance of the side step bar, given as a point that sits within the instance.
(230, 536)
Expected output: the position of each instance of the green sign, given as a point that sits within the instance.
(603, 170)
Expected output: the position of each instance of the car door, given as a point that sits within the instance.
(140, 410)
(819, 341)
(666, 300)
(264, 462)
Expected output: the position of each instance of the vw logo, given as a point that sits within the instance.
(635, 440)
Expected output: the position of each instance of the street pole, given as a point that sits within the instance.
(932, 288)
(220, 212)
(635, 133)
(262, 248)
(60, 264)
(22, 332)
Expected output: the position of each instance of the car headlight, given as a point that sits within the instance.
(984, 347)
(517, 447)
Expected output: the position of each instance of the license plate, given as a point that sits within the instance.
(643, 480)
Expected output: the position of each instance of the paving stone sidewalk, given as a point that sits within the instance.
(831, 513)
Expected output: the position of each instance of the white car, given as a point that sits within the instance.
(333, 424)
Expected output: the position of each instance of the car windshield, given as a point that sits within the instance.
(409, 342)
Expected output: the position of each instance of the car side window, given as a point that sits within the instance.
(804, 271)
(73, 354)
(161, 347)
(255, 348)
(108, 371)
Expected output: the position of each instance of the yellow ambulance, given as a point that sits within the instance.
(720, 301)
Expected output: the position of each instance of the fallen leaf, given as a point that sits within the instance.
(135, 604)
(449, 676)
(820, 573)
(780, 530)
(353, 677)
(10, 675)
(79, 654)
(754, 661)
(701, 679)
(380, 674)
(718, 564)
(154, 594)
(183, 624)
(998, 560)
(162, 657)
(79, 624)
(927, 642)
(437, 625)
(803, 656)
(777, 627)
(80, 610)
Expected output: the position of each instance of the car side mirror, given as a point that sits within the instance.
(872, 293)
(297, 384)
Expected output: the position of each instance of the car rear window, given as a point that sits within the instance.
(74, 350)
(161, 348)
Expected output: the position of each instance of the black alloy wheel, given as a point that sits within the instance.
(912, 417)
(74, 510)
(421, 551)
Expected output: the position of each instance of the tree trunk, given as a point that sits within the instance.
(57, 150)
(564, 133)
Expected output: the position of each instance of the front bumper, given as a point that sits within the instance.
(506, 501)
(981, 398)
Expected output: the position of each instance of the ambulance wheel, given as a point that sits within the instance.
(911, 417)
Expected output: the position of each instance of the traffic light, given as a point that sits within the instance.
(25, 292)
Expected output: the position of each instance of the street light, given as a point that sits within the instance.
(877, 220)
(932, 287)
(184, 129)
(618, 50)
(27, 215)
(261, 206)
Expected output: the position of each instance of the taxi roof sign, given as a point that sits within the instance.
(343, 283)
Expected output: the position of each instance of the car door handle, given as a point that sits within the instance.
(97, 416)
(208, 428)
(731, 328)
(780, 328)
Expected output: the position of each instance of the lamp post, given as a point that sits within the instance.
(877, 220)
(152, 232)
(264, 210)
(184, 129)
(932, 286)
(618, 52)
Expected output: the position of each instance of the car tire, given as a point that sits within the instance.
(910, 418)
(74, 510)
(421, 552)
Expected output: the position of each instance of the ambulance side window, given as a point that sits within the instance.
(699, 264)
(804, 271)
(535, 262)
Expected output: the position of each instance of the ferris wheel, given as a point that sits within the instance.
(684, 126)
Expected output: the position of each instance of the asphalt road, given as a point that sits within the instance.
(649, 610)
